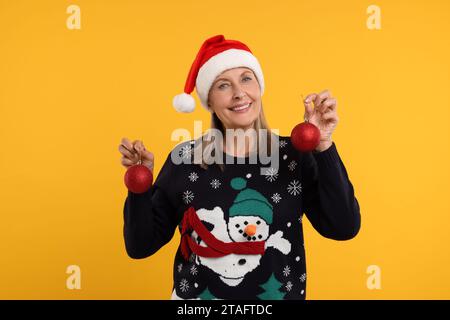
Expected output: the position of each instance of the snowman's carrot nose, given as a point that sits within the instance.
(250, 229)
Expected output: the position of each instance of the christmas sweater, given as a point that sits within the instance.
(241, 231)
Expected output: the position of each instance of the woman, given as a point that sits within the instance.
(241, 231)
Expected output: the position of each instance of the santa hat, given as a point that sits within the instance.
(215, 56)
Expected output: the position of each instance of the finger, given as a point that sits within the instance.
(148, 159)
(325, 94)
(321, 97)
(310, 97)
(308, 110)
(330, 116)
(126, 152)
(138, 145)
(328, 104)
(148, 155)
(127, 144)
(127, 162)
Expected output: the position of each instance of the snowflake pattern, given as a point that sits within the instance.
(184, 285)
(289, 286)
(292, 165)
(271, 174)
(215, 184)
(194, 270)
(276, 197)
(193, 176)
(186, 151)
(283, 143)
(294, 188)
(180, 267)
(287, 271)
(303, 277)
(188, 196)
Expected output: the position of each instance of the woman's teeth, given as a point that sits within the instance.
(242, 108)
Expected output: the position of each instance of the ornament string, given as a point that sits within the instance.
(305, 118)
(140, 157)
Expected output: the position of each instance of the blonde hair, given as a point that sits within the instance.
(208, 143)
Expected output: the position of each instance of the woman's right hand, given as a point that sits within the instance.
(130, 154)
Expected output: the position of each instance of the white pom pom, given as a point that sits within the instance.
(184, 103)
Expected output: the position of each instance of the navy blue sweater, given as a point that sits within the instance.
(237, 205)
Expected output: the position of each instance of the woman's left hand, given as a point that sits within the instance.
(323, 116)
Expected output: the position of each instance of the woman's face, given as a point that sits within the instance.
(235, 97)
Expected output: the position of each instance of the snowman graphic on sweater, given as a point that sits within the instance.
(232, 250)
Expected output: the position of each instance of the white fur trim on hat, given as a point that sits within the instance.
(229, 59)
(184, 103)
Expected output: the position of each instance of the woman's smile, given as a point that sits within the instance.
(241, 108)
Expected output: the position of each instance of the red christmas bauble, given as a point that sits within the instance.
(138, 178)
(305, 137)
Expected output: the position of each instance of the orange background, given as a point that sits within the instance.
(67, 97)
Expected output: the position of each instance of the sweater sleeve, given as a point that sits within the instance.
(150, 218)
(328, 196)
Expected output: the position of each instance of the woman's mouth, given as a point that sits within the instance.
(242, 108)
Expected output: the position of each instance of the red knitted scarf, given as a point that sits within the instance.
(215, 247)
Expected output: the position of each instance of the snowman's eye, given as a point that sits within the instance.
(237, 226)
(258, 222)
(245, 222)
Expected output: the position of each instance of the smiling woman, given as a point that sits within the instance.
(241, 226)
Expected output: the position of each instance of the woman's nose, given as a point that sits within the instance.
(239, 94)
(250, 229)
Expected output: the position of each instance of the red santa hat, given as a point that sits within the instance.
(215, 56)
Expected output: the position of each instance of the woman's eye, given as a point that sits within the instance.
(223, 85)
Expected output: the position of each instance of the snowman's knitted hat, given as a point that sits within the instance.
(250, 202)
